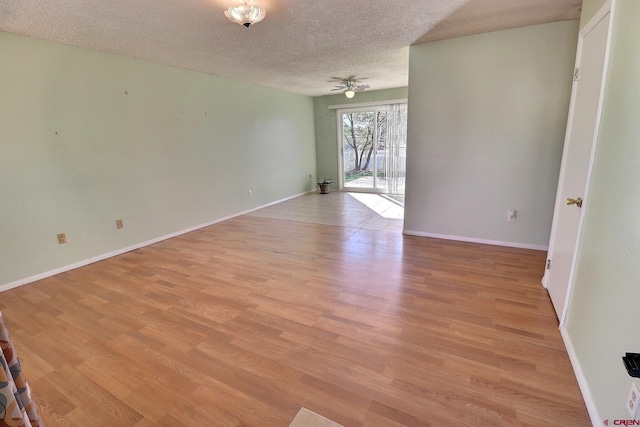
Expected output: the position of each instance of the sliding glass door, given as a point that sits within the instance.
(373, 141)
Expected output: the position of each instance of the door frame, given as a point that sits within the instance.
(605, 12)
(360, 106)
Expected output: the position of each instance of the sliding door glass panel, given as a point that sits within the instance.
(374, 148)
(392, 150)
(358, 129)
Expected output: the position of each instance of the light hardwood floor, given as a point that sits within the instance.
(246, 321)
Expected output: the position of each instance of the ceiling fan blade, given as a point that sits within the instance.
(343, 79)
(348, 83)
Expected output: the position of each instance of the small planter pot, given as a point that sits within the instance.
(324, 184)
(324, 188)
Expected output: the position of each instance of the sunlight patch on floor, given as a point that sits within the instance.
(384, 206)
(307, 418)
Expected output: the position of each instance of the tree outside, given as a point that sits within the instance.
(358, 136)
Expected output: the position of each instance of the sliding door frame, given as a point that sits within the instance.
(359, 107)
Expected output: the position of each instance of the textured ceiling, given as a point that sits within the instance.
(297, 47)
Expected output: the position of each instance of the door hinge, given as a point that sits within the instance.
(576, 74)
(548, 264)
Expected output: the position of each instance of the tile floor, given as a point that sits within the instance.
(356, 210)
(307, 418)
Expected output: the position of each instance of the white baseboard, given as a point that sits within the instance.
(102, 257)
(582, 381)
(474, 240)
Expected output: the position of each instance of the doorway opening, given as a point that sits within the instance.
(373, 146)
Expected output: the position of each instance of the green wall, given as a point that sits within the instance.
(87, 138)
(327, 126)
(603, 315)
(486, 123)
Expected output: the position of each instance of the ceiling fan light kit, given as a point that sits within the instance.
(349, 86)
(245, 14)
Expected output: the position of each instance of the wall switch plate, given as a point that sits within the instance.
(511, 216)
(250, 193)
(633, 402)
(119, 224)
(62, 238)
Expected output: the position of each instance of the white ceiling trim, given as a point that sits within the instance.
(367, 104)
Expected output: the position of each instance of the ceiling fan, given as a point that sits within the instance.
(349, 86)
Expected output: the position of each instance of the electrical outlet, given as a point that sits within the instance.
(119, 224)
(250, 193)
(62, 238)
(511, 216)
(633, 402)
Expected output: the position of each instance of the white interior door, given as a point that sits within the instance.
(580, 141)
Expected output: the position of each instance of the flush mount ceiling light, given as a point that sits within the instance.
(245, 14)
